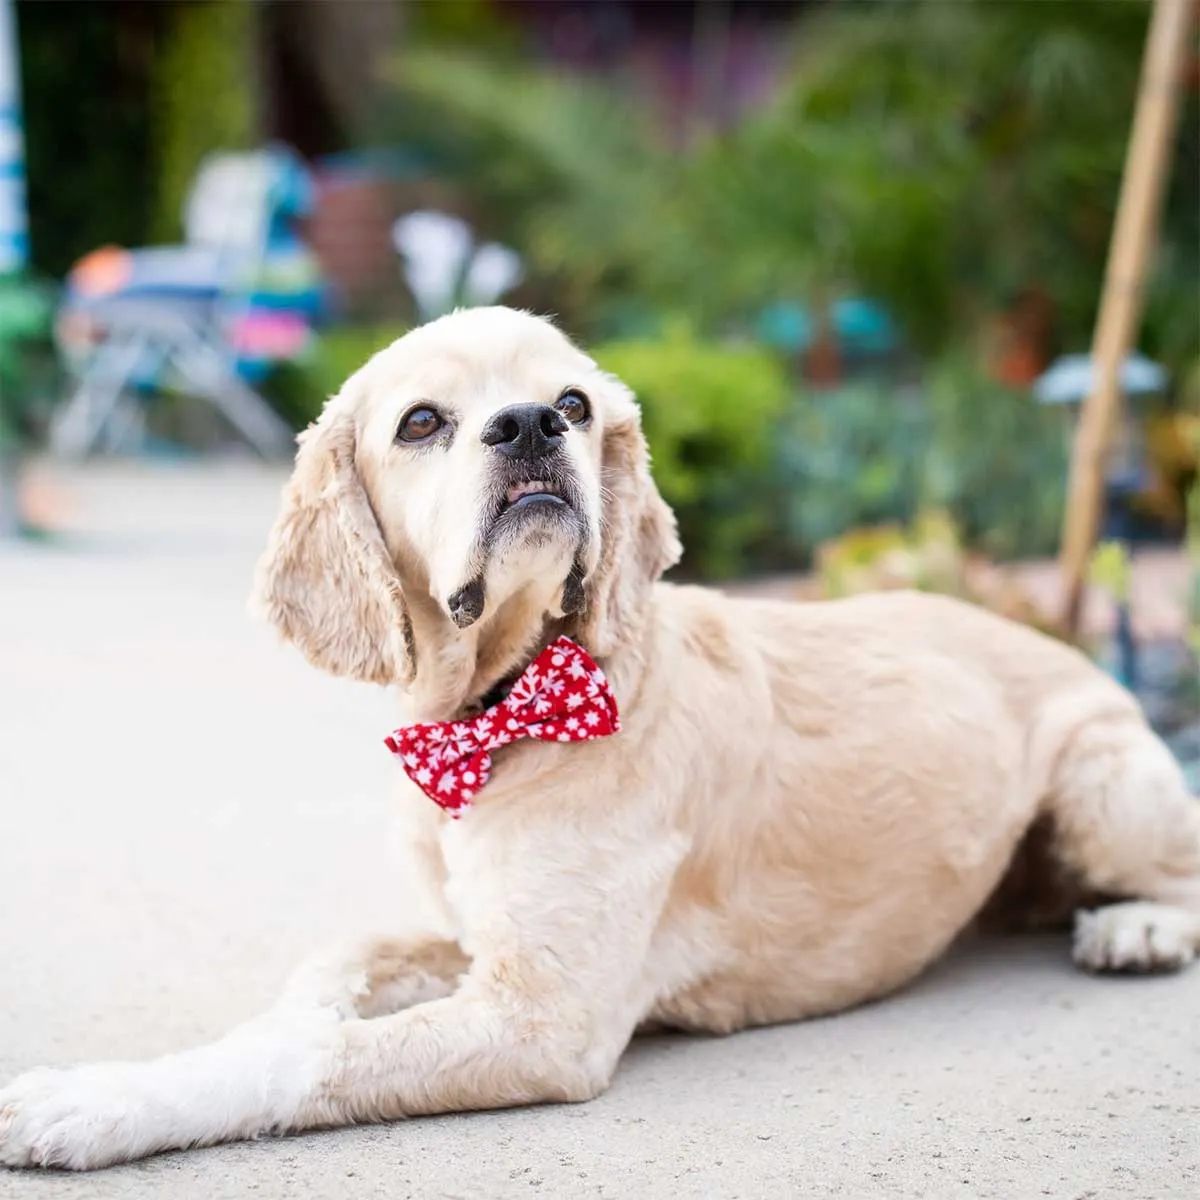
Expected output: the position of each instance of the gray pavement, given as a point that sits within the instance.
(186, 809)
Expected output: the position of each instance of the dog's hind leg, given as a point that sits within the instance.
(1126, 825)
(377, 976)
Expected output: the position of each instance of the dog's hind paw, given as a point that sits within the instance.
(1139, 937)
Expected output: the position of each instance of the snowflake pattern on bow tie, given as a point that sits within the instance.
(562, 696)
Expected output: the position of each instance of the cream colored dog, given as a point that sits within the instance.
(806, 804)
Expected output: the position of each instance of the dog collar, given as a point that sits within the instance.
(562, 696)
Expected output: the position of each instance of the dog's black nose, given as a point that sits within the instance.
(525, 430)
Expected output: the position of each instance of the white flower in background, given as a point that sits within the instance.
(494, 270)
(443, 267)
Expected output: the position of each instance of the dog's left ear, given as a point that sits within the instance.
(638, 539)
(326, 580)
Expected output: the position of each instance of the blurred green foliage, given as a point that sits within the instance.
(202, 99)
(996, 459)
(867, 455)
(559, 167)
(28, 368)
(709, 413)
(940, 157)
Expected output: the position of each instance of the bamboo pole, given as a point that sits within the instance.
(1145, 173)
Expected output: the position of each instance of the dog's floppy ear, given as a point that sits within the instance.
(638, 539)
(326, 580)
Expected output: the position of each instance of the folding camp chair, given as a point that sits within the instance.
(137, 321)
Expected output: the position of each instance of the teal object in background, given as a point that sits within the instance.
(14, 217)
(787, 327)
(862, 326)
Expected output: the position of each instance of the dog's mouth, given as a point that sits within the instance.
(535, 502)
(533, 491)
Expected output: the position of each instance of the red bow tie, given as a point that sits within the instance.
(562, 696)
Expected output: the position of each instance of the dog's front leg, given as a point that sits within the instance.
(552, 996)
(108, 1112)
(284, 1072)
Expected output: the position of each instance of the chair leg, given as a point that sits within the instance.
(77, 429)
(210, 371)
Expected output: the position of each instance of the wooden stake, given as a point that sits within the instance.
(1120, 314)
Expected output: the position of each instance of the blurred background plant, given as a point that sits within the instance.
(712, 458)
(926, 555)
(831, 246)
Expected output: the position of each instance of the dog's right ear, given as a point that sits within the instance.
(326, 580)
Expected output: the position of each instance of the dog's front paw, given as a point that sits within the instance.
(77, 1118)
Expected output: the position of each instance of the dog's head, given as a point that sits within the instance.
(479, 472)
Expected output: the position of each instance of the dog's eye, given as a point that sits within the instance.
(418, 425)
(574, 406)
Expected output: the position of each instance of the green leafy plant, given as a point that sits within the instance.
(867, 453)
(997, 460)
(848, 457)
(945, 156)
(709, 413)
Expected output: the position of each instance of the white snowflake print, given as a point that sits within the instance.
(412, 760)
(577, 670)
(524, 690)
(447, 783)
(423, 776)
(574, 700)
(572, 723)
(592, 718)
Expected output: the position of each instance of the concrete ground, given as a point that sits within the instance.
(186, 809)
